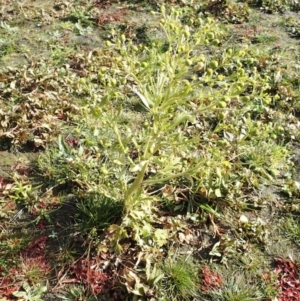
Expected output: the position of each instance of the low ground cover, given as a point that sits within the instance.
(150, 150)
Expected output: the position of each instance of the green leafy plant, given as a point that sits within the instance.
(5, 26)
(23, 192)
(177, 93)
(82, 30)
(31, 293)
(76, 293)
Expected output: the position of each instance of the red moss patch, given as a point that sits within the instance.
(32, 257)
(210, 279)
(289, 280)
(106, 18)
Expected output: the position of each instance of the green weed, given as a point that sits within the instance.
(160, 133)
(264, 38)
(292, 229)
(270, 6)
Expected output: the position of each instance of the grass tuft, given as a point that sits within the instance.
(181, 281)
(96, 212)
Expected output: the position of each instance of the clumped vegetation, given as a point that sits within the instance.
(281, 6)
(141, 163)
